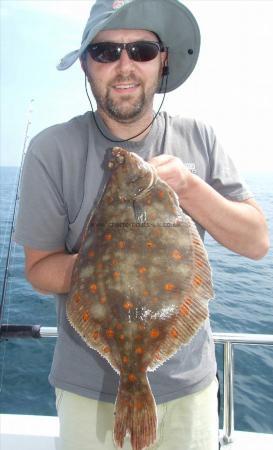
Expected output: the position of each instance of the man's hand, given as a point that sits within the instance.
(238, 225)
(171, 169)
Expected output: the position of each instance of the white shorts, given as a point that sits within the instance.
(187, 423)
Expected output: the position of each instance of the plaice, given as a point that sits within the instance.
(140, 286)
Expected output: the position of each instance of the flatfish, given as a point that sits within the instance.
(140, 286)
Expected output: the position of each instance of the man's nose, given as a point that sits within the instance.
(124, 62)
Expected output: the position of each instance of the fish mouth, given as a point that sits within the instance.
(118, 158)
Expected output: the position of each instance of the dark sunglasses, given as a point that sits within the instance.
(140, 51)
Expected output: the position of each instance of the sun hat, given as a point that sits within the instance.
(169, 19)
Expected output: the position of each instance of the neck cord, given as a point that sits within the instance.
(125, 140)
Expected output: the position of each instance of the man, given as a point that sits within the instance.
(62, 175)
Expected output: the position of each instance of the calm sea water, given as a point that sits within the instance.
(243, 303)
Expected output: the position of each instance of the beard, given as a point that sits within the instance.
(126, 108)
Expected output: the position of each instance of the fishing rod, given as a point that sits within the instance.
(8, 258)
(20, 331)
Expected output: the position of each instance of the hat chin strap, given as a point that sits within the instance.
(165, 74)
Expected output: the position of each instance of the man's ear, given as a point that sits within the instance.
(164, 61)
(165, 67)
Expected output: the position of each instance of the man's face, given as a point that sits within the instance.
(124, 89)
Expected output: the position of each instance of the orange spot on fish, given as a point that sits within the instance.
(145, 293)
(85, 316)
(150, 244)
(154, 333)
(138, 405)
(93, 288)
(176, 255)
(128, 305)
(114, 261)
(132, 378)
(174, 333)
(110, 333)
(95, 334)
(199, 263)
(108, 237)
(116, 275)
(160, 194)
(122, 337)
(142, 270)
(184, 310)
(169, 287)
(106, 349)
(197, 281)
(91, 253)
(125, 359)
(139, 350)
(121, 244)
(77, 297)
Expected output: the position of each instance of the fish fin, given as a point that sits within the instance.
(91, 333)
(135, 414)
(192, 311)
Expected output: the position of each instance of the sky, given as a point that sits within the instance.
(231, 88)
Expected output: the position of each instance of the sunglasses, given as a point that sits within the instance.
(140, 51)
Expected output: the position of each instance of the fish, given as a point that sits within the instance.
(140, 286)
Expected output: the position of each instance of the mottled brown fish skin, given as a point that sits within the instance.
(140, 286)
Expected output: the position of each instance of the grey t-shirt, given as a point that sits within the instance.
(61, 178)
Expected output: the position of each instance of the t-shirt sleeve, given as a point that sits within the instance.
(224, 176)
(42, 221)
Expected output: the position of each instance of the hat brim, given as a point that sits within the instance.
(170, 20)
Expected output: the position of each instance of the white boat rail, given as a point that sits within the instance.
(228, 340)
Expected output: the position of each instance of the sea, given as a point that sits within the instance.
(243, 303)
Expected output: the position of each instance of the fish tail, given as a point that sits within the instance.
(135, 414)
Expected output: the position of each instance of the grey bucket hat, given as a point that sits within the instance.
(169, 19)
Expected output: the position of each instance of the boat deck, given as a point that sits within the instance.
(40, 432)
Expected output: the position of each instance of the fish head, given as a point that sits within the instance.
(133, 176)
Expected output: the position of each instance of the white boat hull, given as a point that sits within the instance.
(41, 432)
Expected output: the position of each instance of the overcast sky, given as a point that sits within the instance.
(230, 88)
